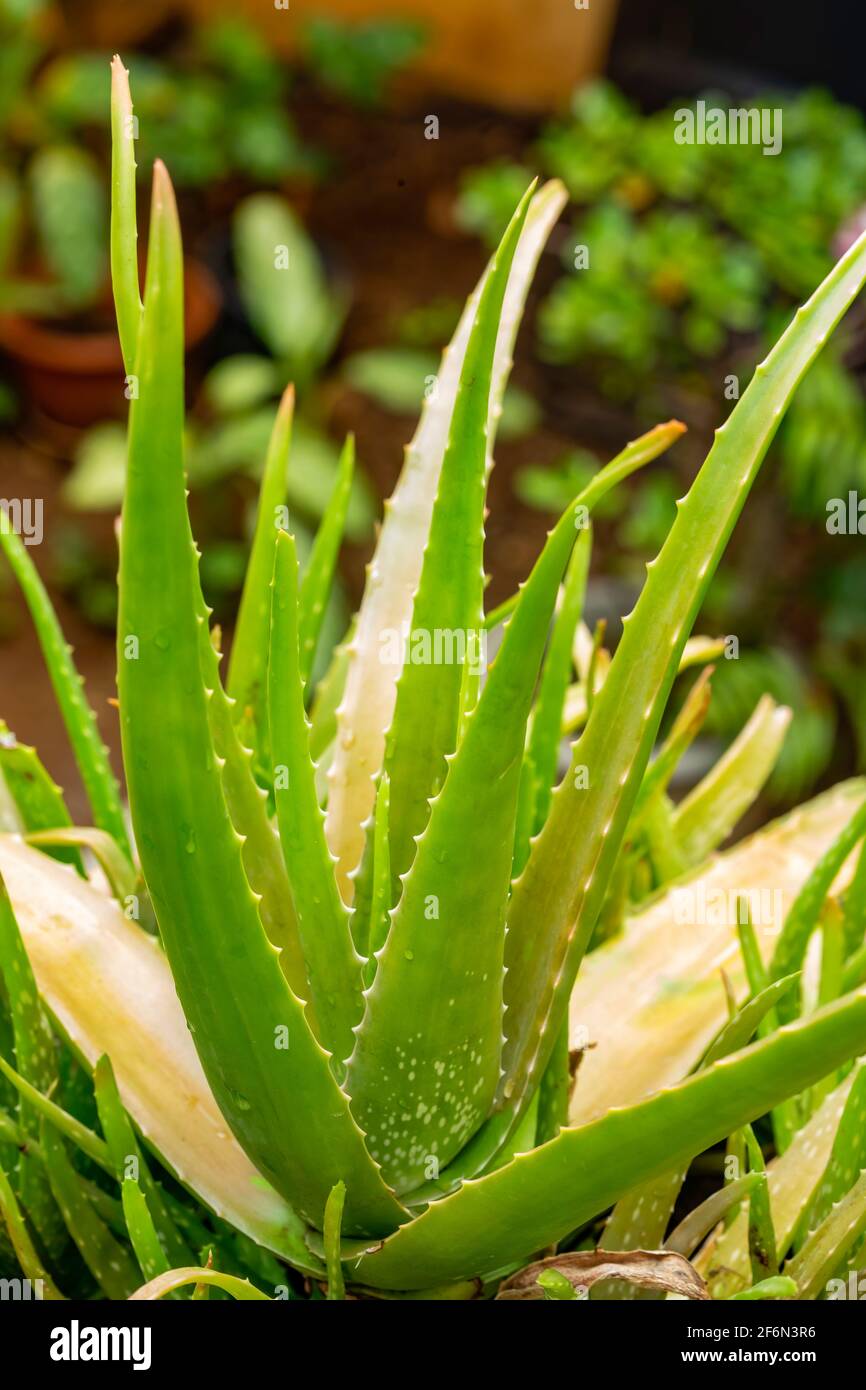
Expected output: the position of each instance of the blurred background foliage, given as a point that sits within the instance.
(674, 268)
(696, 256)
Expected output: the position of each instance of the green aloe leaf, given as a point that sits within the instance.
(428, 1048)
(557, 1188)
(763, 1258)
(854, 906)
(333, 966)
(333, 1221)
(321, 567)
(109, 1262)
(271, 1079)
(367, 704)
(142, 1232)
(74, 935)
(154, 1222)
(449, 603)
(38, 799)
(124, 230)
(247, 674)
(710, 811)
(91, 755)
(122, 878)
(22, 1241)
(803, 916)
(586, 823)
(848, 1156)
(822, 1254)
(36, 1060)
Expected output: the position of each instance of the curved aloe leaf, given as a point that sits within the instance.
(121, 876)
(333, 966)
(803, 917)
(91, 755)
(426, 1061)
(542, 752)
(74, 935)
(652, 1000)
(124, 229)
(22, 1241)
(494, 1221)
(793, 1178)
(370, 691)
(175, 1279)
(822, 1254)
(38, 799)
(247, 674)
(109, 1262)
(322, 564)
(448, 604)
(271, 1079)
(586, 823)
(708, 814)
(151, 1219)
(36, 1060)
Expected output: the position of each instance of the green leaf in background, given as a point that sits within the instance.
(95, 482)
(283, 286)
(241, 382)
(399, 379)
(357, 60)
(71, 214)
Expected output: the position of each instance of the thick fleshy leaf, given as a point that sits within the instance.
(124, 230)
(813, 1267)
(432, 685)
(651, 1002)
(368, 700)
(271, 1078)
(426, 1060)
(22, 1241)
(247, 675)
(36, 1060)
(321, 567)
(540, 1196)
(110, 1263)
(91, 755)
(37, 798)
(150, 1217)
(75, 935)
(174, 1279)
(802, 920)
(793, 1178)
(710, 811)
(588, 817)
(333, 965)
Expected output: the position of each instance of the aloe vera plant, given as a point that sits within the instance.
(350, 1037)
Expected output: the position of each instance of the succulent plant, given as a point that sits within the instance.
(350, 1038)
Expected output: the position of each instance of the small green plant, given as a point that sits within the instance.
(358, 60)
(373, 899)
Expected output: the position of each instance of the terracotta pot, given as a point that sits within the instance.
(510, 53)
(78, 377)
